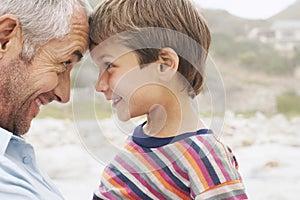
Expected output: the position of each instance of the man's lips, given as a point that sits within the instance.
(42, 101)
(38, 102)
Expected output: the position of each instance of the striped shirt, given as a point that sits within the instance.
(189, 166)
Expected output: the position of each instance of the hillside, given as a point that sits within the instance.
(221, 21)
(291, 12)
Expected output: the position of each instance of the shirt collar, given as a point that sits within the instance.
(144, 140)
(5, 137)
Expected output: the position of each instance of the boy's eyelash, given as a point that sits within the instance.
(108, 65)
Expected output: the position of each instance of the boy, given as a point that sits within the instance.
(151, 55)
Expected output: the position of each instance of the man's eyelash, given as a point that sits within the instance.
(66, 63)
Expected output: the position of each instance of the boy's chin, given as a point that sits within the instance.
(124, 117)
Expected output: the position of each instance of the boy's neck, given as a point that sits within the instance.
(170, 121)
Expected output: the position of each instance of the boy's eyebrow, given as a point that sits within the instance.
(101, 57)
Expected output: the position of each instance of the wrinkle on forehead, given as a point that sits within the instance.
(79, 18)
(78, 36)
(60, 50)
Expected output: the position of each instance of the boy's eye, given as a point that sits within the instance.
(108, 65)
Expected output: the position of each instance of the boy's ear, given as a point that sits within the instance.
(9, 30)
(168, 63)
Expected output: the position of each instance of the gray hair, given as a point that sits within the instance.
(42, 20)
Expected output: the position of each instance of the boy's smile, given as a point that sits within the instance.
(116, 100)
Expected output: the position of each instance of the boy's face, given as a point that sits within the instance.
(133, 89)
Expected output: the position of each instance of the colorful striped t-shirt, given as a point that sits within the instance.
(189, 166)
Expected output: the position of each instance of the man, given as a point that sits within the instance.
(40, 41)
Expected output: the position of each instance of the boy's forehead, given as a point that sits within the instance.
(108, 49)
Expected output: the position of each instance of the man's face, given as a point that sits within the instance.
(46, 78)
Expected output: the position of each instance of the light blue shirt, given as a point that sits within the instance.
(20, 178)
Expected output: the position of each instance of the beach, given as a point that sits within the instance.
(73, 153)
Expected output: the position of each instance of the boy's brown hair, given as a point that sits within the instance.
(182, 28)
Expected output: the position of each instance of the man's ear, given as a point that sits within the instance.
(168, 63)
(9, 30)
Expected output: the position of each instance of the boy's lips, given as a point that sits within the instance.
(116, 100)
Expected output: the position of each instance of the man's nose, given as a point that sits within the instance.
(62, 90)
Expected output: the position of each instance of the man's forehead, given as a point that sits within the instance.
(79, 17)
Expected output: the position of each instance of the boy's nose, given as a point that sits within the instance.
(102, 84)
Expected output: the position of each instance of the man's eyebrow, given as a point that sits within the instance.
(78, 54)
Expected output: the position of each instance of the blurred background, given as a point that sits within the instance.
(256, 49)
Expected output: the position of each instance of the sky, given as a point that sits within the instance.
(252, 9)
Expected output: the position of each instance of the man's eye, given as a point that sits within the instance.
(66, 64)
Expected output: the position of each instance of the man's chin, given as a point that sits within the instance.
(23, 126)
(22, 130)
